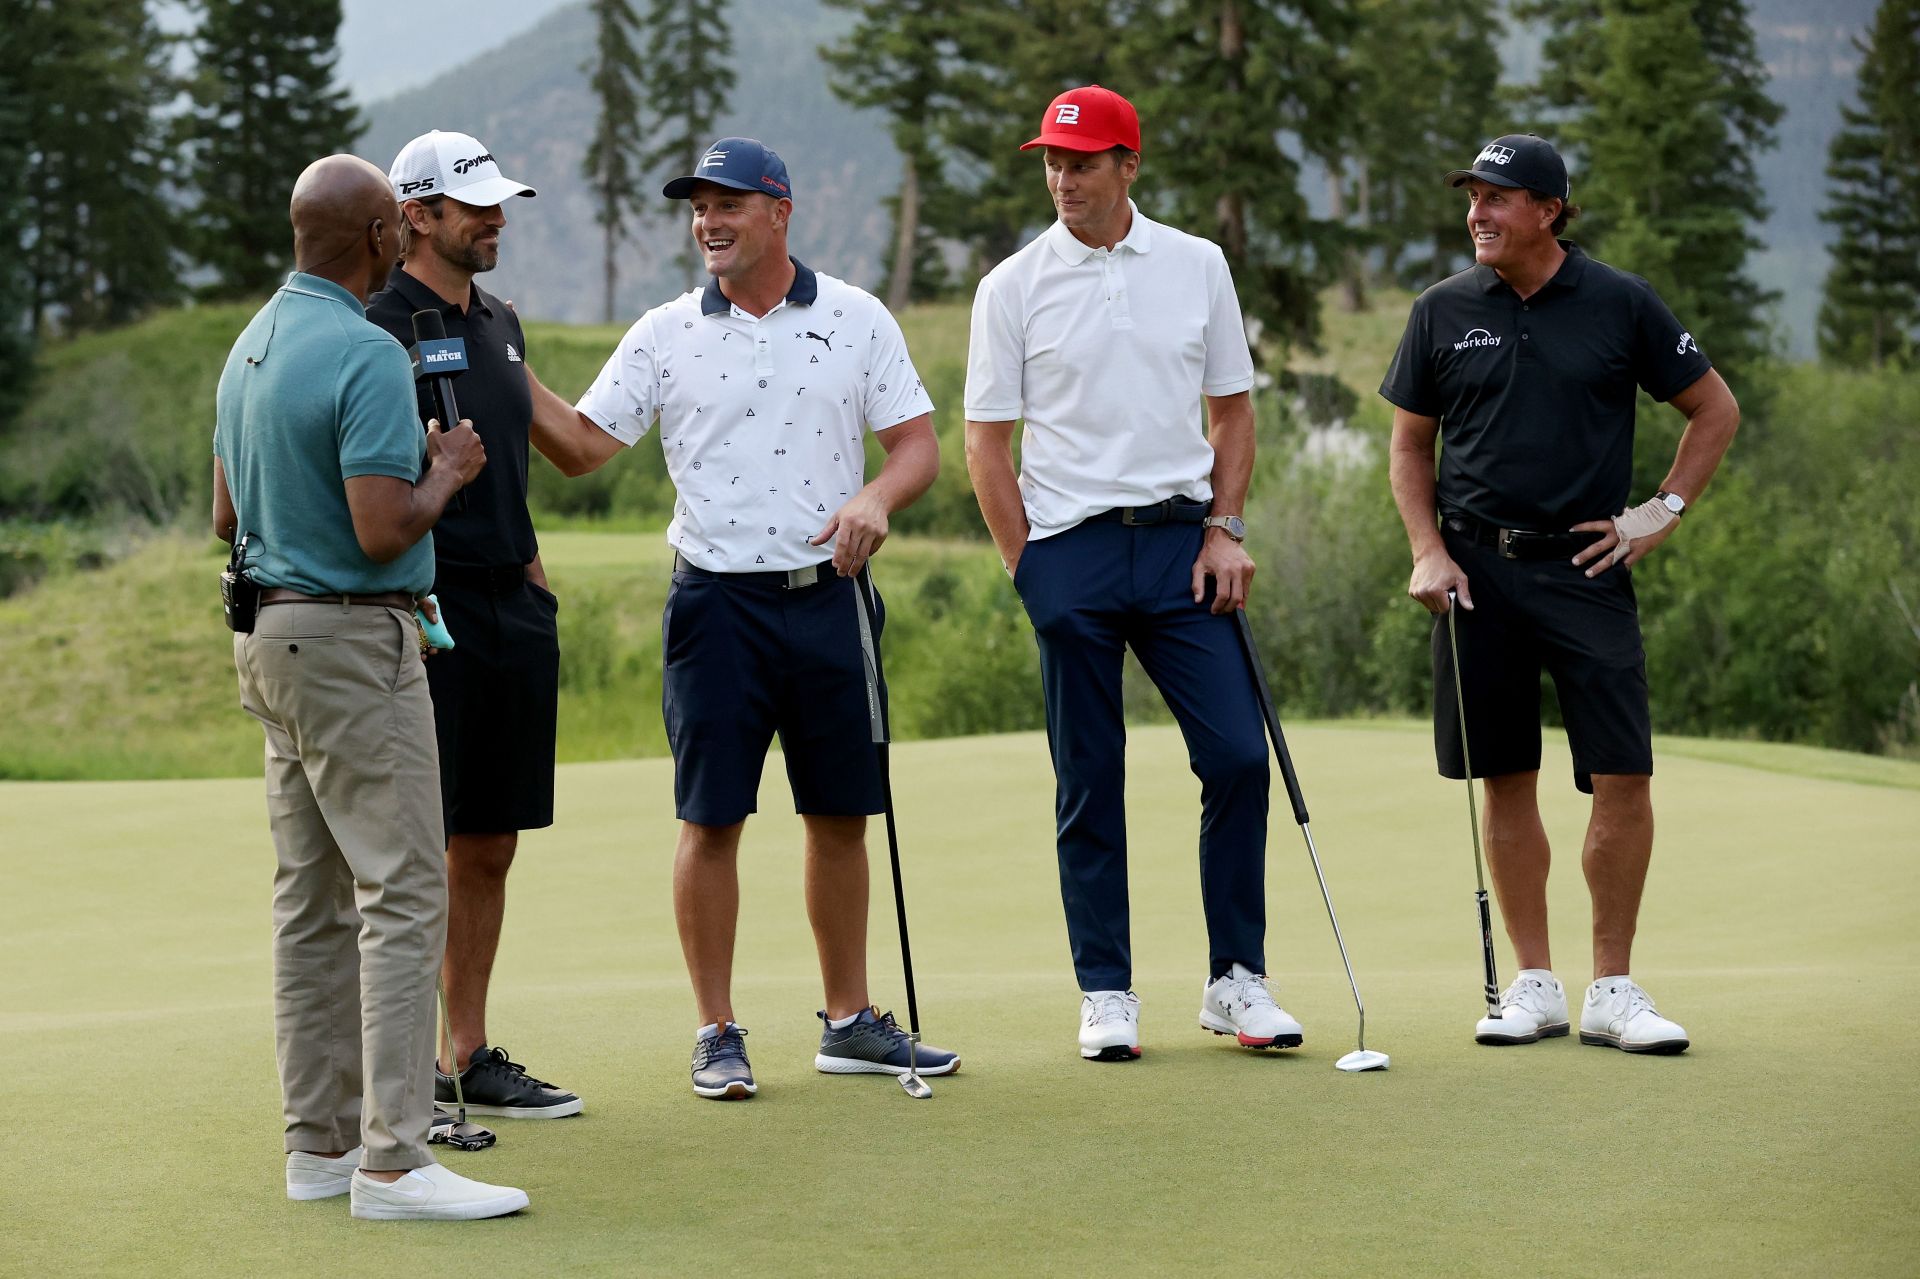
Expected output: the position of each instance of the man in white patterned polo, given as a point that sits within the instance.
(764, 383)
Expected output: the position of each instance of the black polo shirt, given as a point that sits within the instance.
(494, 529)
(1536, 398)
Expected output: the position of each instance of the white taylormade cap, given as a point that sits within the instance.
(455, 164)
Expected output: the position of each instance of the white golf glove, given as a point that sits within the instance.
(1643, 520)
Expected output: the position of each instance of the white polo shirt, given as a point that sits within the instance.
(762, 420)
(1107, 354)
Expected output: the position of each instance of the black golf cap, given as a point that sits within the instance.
(1518, 160)
(741, 163)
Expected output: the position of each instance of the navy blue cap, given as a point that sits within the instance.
(740, 163)
(1521, 161)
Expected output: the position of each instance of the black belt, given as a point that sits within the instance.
(388, 599)
(496, 579)
(1175, 510)
(1519, 543)
(792, 579)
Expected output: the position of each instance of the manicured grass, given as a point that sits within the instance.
(1779, 928)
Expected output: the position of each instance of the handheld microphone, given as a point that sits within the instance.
(438, 358)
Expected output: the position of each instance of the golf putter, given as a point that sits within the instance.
(1361, 1058)
(459, 1134)
(1492, 980)
(911, 1082)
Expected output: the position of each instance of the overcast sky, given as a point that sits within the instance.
(386, 47)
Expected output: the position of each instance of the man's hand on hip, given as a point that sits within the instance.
(1435, 574)
(860, 526)
(1231, 568)
(1627, 537)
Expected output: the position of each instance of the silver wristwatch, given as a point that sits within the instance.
(1672, 501)
(1235, 527)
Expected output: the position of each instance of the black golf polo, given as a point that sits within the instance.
(1536, 397)
(493, 529)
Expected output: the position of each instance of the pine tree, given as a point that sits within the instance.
(1425, 99)
(613, 161)
(1665, 105)
(895, 59)
(264, 107)
(687, 83)
(16, 335)
(98, 246)
(1871, 312)
(1221, 82)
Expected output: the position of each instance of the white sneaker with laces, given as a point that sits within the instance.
(1110, 1025)
(1534, 1008)
(1618, 1014)
(432, 1193)
(1239, 1004)
(317, 1177)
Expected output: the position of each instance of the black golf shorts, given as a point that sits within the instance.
(495, 698)
(742, 660)
(1530, 615)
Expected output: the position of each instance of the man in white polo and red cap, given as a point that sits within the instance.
(1123, 529)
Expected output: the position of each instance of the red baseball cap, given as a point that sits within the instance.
(1088, 119)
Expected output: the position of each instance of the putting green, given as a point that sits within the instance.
(1779, 928)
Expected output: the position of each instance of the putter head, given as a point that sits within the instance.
(1361, 1059)
(458, 1133)
(911, 1083)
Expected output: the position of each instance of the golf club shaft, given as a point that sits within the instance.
(453, 1054)
(1490, 976)
(1272, 718)
(882, 738)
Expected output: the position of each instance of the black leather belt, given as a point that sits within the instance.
(387, 599)
(495, 579)
(1519, 543)
(1175, 510)
(793, 579)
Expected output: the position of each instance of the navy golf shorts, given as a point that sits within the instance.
(744, 659)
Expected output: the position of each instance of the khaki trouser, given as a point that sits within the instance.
(360, 896)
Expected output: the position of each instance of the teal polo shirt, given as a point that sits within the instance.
(313, 395)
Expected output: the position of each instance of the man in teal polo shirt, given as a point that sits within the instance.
(321, 475)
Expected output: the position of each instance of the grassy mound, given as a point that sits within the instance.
(1779, 929)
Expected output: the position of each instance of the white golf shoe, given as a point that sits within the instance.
(1534, 1008)
(1618, 1014)
(317, 1177)
(1239, 1004)
(432, 1193)
(1110, 1025)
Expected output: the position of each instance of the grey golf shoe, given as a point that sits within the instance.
(876, 1045)
(720, 1068)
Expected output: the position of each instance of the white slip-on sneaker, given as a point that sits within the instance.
(317, 1177)
(1239, 1004)
(1534, 1008)
(1110, 1025)
(1618, 1014)
(432, 1193)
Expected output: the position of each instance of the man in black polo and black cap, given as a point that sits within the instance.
(496, 692)
(1526, 365)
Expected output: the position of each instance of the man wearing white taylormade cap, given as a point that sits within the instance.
(496, 692)
(1123, 529)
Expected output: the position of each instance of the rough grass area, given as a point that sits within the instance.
(127, 671)
(144, 1137)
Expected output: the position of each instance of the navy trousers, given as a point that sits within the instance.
(1091, 592)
